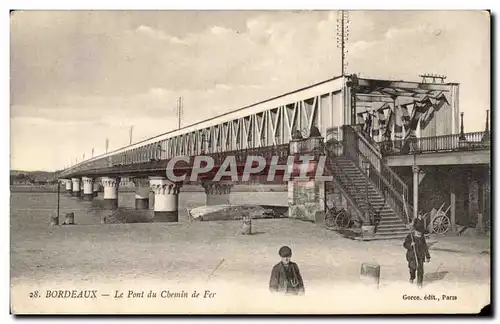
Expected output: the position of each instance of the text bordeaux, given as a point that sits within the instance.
(71, 294)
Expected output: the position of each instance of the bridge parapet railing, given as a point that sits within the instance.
(445, 143)
(281, 151)
(313, 146)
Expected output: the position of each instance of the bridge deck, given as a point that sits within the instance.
(465, 148)
(327, 105)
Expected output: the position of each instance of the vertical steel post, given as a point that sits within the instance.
(58, 196)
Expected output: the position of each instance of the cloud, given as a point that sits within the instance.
(79, 67)
(218, 30)
(393, 32)
(146, 30)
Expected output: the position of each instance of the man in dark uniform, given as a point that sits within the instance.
(419, 222)
(368, 125)
(285, 276)
(416, 252)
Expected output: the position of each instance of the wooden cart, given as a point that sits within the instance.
(336, 218)
(440, 223)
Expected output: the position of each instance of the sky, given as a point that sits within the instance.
(79, 77)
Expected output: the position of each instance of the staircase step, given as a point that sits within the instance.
(390, 219)
(391, 227)
(392, 233)
(383, 237)
(391, 224)
(390, 216)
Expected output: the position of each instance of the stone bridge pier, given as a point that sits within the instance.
(166, 201)
(95, 188)
(88, 193)
(142, 189)
(110, 185)
(217, 192)
(306, 195)
(76, 187)
(69, 186)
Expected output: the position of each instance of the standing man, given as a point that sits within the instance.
(416, 252)
(285, 276)
(368, 124)
(419, 222)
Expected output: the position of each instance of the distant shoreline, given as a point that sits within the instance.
(187, 188)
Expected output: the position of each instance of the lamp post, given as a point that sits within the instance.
(366, 166)
(158, 152)
(486, 136)
(461, 138)
(203, 139)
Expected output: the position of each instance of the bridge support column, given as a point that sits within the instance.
(218, 193)
(306, 194)
(166, 206)
(453, 203)
(81, 188)
(416, 179)
(142, 190)
(95, 188)
(473, 197)
(151, 199)
(69, 186)
(88, 188)
(306, 200)
(75, 187)
(110, 192)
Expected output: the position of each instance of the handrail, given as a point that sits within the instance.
(444, 143)
(394, 190)
(371, 146)
(346, 184)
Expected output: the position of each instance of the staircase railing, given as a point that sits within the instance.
(346, 184)
(394, 190)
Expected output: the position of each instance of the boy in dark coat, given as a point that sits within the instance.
(285, 276)
(419, 222)
(416, 252)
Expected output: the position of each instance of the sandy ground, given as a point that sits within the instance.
(182, 256)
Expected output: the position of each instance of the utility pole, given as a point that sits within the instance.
(107, 144)
(343, 37)
(92, 152)
(130, 135)
(180, 112)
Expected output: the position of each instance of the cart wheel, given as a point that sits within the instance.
(330, 219)
(342, 220)
(440, 224)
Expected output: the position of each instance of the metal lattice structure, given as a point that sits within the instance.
(394, 105)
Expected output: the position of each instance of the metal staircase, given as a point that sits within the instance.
(369, 185)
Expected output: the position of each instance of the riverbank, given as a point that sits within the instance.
(215, 256)
(186, 188)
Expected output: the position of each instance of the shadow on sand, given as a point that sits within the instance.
(434, 276)
(256, 233)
